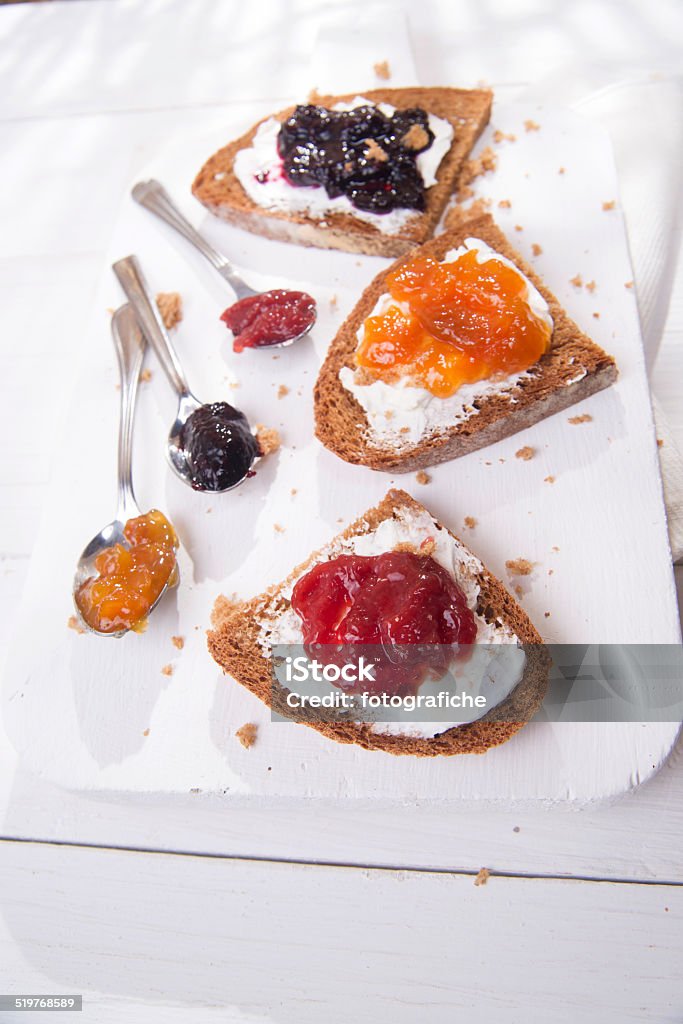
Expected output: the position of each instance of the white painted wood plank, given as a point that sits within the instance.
(305, 944)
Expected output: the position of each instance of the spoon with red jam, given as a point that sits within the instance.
(127, 567)
(270, 319)
(211, 447)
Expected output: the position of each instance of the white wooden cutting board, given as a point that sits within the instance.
(99, 714)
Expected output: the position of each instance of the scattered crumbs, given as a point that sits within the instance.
(525, 453)
(499, 136)
(373, 150)
(110, 310)
(145, 375)
(278, 528)
(382, 70)
(167, 670)
(518, 591)
(246, 734)
(551, 572)
(282, 391)
(422, 477)
(478, 165)
(591, 286)
(404, 430)
(178, 641)
(596, 316)
(73, 622)
(482, 877)
(209, 509)
(233, 384)
(505, 204)
(561, 170)
(577, 281)
(518, 227)
(470, 522)
(548, 479)
(628, 284)
(555, 547)
(501, 460)
(660, 442)
(389, 414)
(516, 828)
(293, 491)
(146, 732)
(546, 615)
(488, 463)
(268, 439)
(531, 126)
(359, 263)
(340, 520)
(170, 305)
(536, 250)
(333, 302)
(195, 789)
(609, 204)
(519, 566)
(584, 418)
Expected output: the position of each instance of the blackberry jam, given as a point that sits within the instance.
(219, 445)
(363, 154)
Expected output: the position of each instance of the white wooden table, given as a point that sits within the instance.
(173, 910)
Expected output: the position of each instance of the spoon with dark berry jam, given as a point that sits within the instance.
(210, 447)
(270, 319)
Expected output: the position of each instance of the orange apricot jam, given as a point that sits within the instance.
(130, 579)
(459, 323)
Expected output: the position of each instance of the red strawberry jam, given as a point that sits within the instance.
(273, 318)
(405, 604)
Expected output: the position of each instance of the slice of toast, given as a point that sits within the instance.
(217, 187)
(573, 368)
(243, 634)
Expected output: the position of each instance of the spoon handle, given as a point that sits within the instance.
(137, 291)
(130, 350)
(154, 197)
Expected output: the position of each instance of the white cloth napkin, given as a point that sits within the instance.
(640, 111)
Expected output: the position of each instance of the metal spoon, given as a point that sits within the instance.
(154, 197)
(130, 349)
(132, 281)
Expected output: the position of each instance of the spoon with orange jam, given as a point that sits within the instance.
(127, 567)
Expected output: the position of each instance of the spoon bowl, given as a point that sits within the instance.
(130, 350)
(154, 197)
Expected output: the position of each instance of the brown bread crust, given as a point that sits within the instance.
(341, 424)
(233, 643)
(468, 110)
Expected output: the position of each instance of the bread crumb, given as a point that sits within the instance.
(555, 547)
(404, 430)
(470, 522)
(373, 151)
(268, 439)
(278, 528)
(561, 170)
(170, 305)
(478, 165)
(246, 734)
(145, 375)
(145, 732)
(585, 418)
(518, 227)
(519, 566)
(499, 136)
(591, 286)
(525, 453)
(415, 138)
(178, 641)
(577, 281)
(518, 591)
(73, 622)
(596, 316)
(422, 477)
(660, 442)
(389, 414)
(548, 479)
(531, 126)
(293, 491)
(282, 391)
(609, 204)
(382, 70)
(628, 284)
(546, 615)
(536, 249)
(167, 670)
(333, 301)
(505, 204)
(482, 877)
